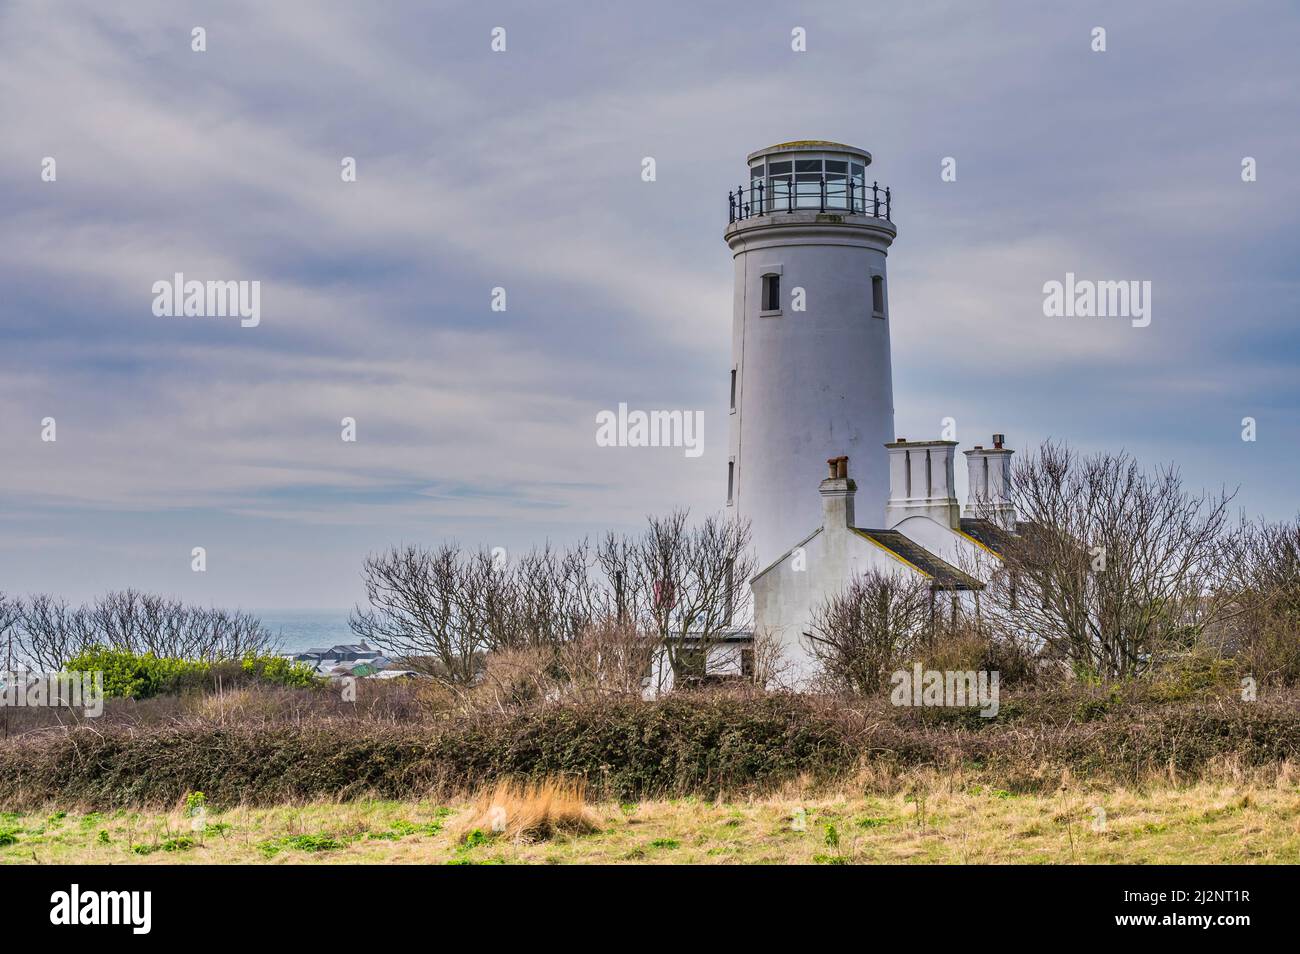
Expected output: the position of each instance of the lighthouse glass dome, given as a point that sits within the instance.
(793, 175)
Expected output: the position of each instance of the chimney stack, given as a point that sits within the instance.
(989, 494)
(921, 482)
(837, 492)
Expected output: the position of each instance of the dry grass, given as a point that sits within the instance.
(1250, 817)
(533, 811)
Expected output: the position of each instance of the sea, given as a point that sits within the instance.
(300, 629)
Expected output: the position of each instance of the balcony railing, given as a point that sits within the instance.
(838, 195)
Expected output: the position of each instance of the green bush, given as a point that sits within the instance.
(280, 671)
(129, 675)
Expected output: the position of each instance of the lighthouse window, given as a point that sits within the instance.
(807, 183)
(733, 393)
(771, 293)
(837, 184)
(878, 296)
(797, 184)
(731, 482)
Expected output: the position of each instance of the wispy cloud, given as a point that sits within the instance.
(521, 170)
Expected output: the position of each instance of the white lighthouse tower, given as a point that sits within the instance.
(810, 372)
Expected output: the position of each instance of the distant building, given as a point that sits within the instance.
(355, 659)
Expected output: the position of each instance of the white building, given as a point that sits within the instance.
(811, 384)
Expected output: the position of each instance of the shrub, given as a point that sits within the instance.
(701, 744)
(129, 675)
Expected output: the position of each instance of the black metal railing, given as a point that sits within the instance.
(838, 195)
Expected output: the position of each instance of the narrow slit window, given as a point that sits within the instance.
(731, 482)
(733, 389)
(878, 296)
(771, 292)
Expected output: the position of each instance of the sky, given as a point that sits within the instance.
(522, 170)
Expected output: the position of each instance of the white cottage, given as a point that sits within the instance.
(924, 535)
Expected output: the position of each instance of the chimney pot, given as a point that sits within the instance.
(842, 467)
(832, 462)
(998, 440)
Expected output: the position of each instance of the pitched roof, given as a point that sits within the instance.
(944, 575)
(988, 534)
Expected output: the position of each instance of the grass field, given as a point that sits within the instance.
(1204, 823)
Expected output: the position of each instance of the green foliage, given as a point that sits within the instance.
(410, 828)
(832, 837)
(280, 671)
(129, 675)
(9, 836)
(181, 843)
(311, 843)
(666, 843)
(103, 836)
(402, 828)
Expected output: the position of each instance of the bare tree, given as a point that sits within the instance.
(555, 597)
(685, 586)
(423, 611)
(1261, 585)
(1113, 568)
(50, 632)
(861, 634)
(11, 611)
(772, 667)
(606, 658)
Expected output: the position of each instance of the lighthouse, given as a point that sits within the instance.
(809, 232)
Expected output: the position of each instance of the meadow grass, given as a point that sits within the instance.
(948, 821)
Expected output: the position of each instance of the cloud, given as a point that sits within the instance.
(522, 170)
